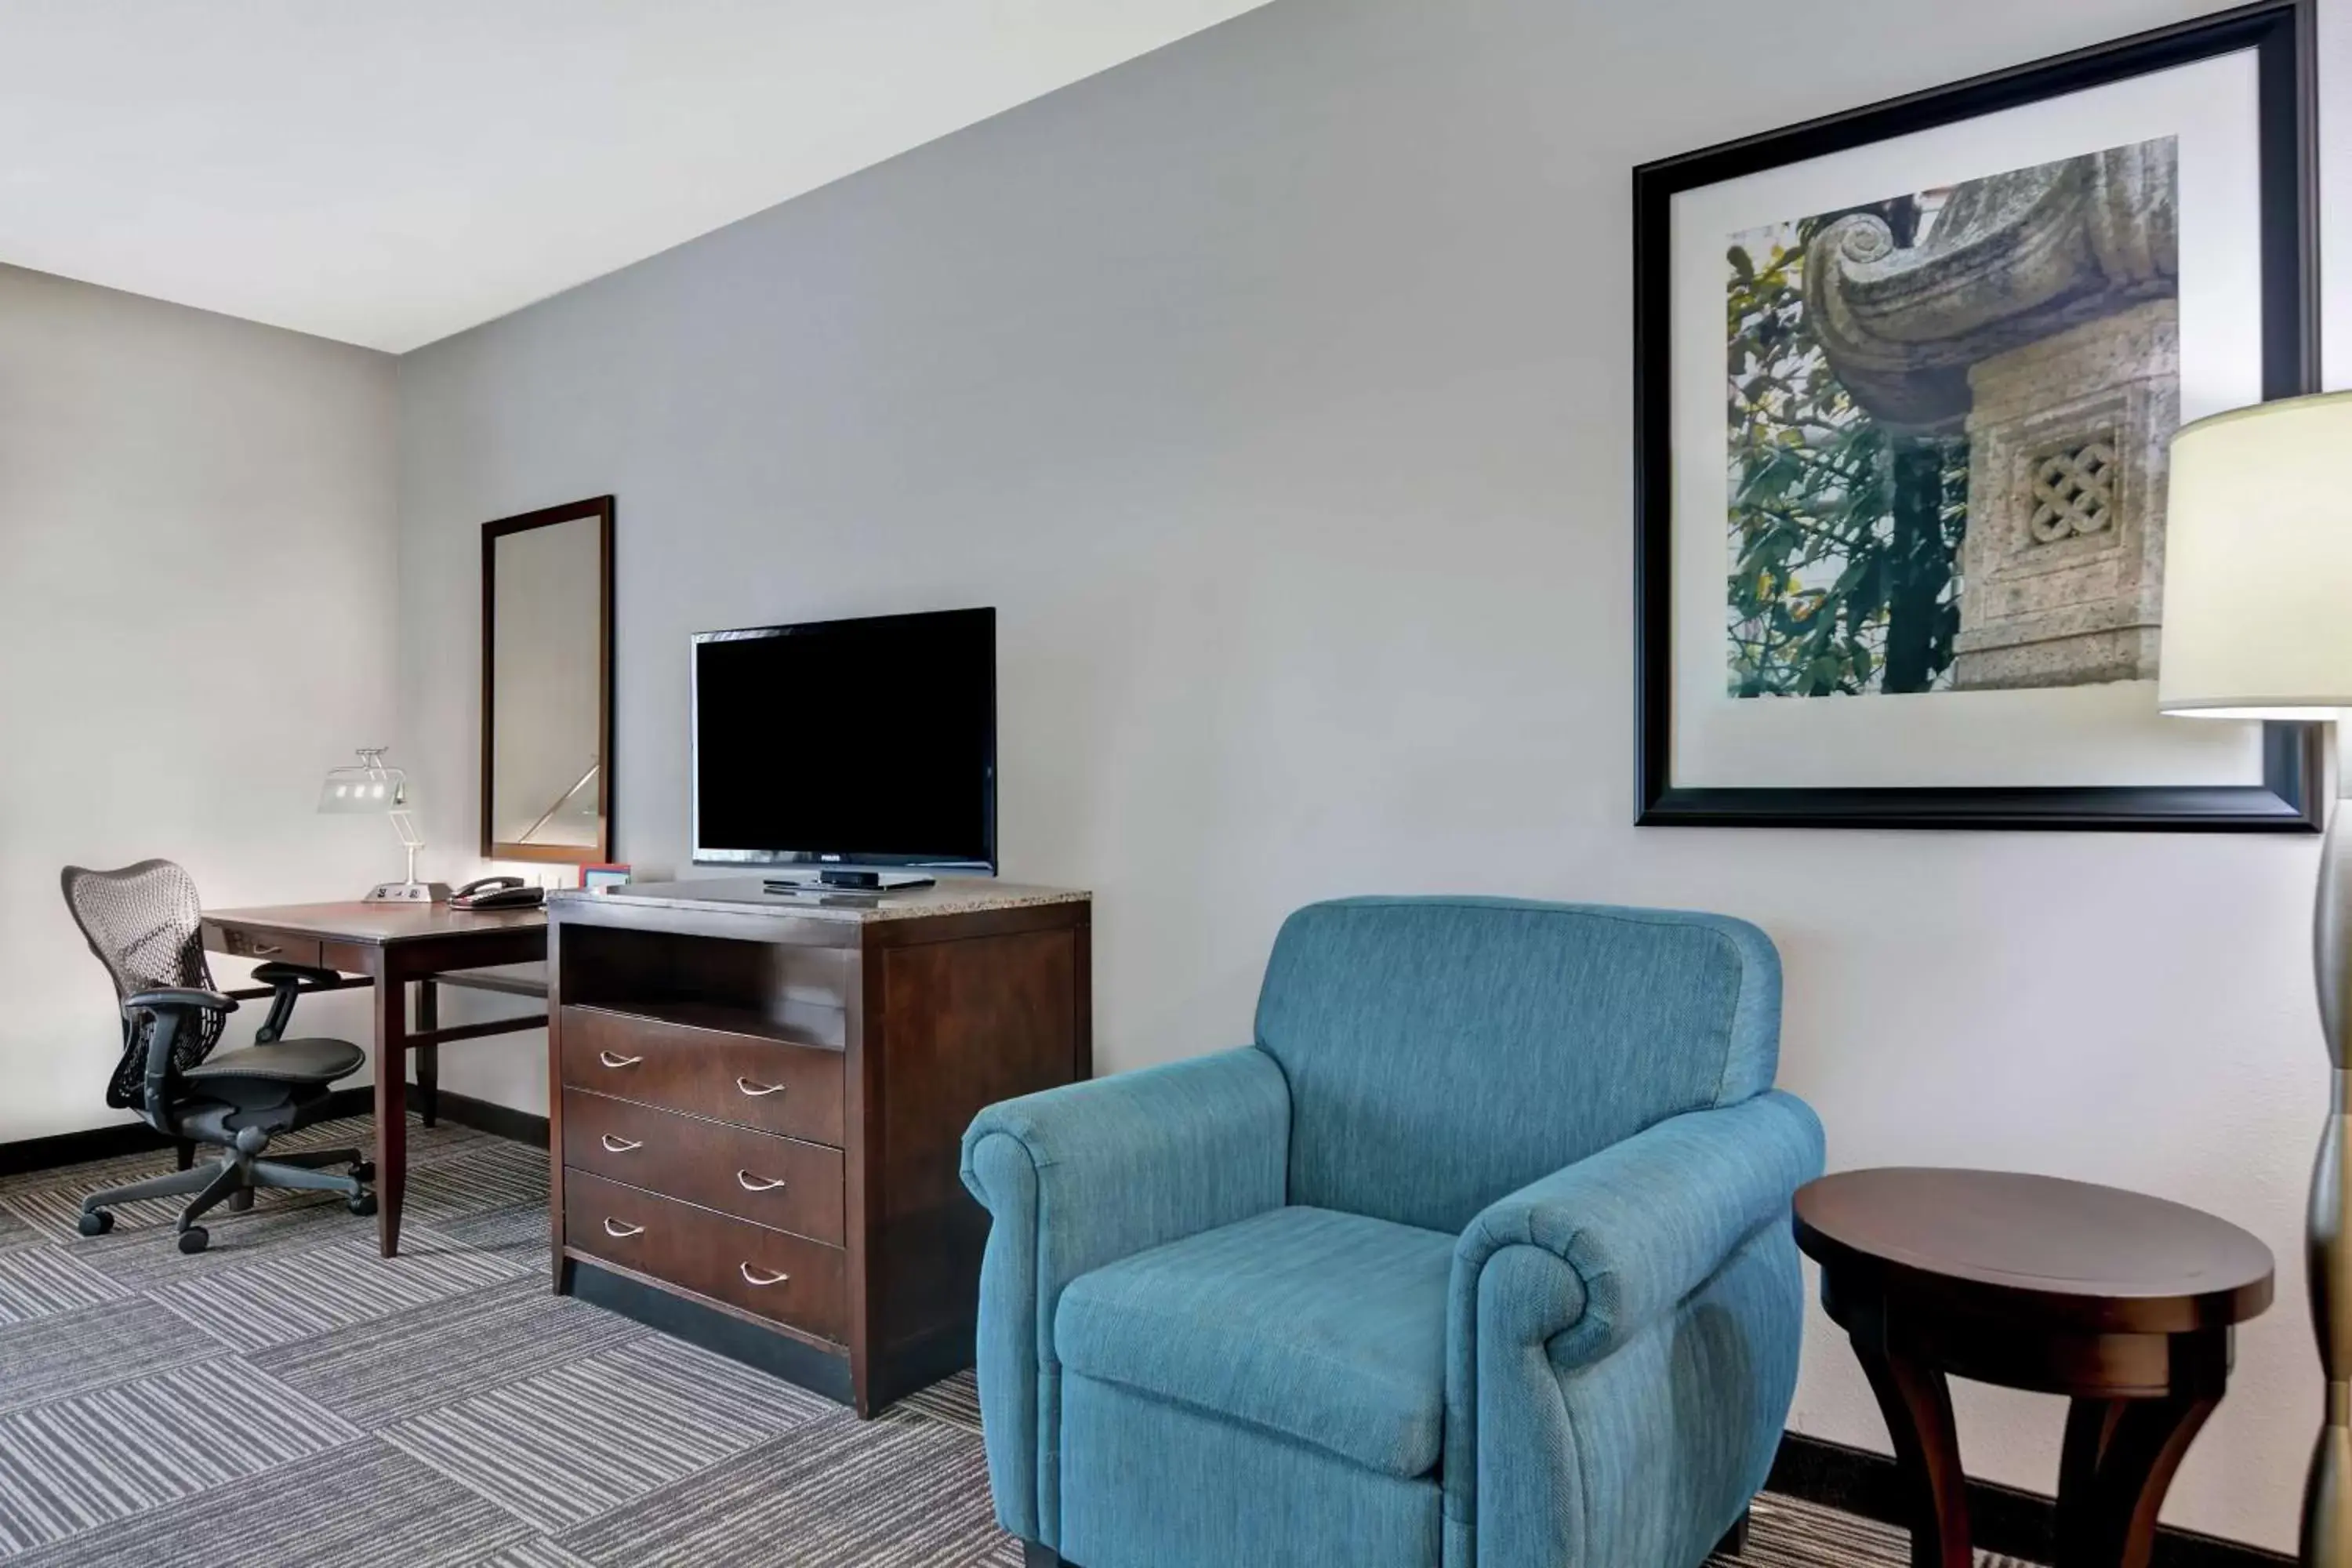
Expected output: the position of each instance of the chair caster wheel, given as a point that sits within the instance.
(364, 1171)
(363, 1205)
(195, 1238)
(97, 1222)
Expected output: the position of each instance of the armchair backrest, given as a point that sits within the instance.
(1443, 1053)
(143, 922)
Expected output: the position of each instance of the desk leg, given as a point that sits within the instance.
(391, 1107)
(428, 1058)
(1917, 1405)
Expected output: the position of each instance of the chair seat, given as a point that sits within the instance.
(1328, 1328)
(282, 1061)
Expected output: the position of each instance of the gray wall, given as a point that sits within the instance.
(1276, 388)
(196, 621)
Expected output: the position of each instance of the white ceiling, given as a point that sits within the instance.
(389, 172)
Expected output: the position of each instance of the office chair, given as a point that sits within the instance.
(143, 923)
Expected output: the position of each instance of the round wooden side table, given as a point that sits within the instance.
(2123, 1302)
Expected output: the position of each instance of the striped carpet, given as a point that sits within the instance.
(289, 1399)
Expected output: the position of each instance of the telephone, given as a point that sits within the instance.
(498, 893)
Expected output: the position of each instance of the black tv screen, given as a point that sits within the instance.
(868, 742)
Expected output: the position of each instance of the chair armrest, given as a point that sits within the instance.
(1083, 1176)
(275, 973)
(288, 983)
(179, 997)
(175, 1008)
(1643, 1223)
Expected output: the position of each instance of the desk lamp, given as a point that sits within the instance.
(2258, 625)
(374, 789)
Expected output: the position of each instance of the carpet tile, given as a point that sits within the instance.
(899, 1492)
(36, 1281)
(572, 1443)
(311, 1292)
(359, 1506)
(425, 1357)
(67, 1352)
(87, 1460)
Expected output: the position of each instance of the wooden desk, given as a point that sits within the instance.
(392, 944)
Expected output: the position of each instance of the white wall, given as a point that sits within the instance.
(1276, 388)
(196, 621)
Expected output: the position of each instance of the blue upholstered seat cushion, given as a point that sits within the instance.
(1328, 1328)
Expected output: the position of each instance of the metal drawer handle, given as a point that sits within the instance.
(758, 1090)
(751, 1184)
(752, 1279)
(610, 1060)
(620, 1230)
(263, 949)
(620, 1145)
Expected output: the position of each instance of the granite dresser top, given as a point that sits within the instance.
(738, 895)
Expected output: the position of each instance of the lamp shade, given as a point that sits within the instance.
(2258, 563)
(370, 786)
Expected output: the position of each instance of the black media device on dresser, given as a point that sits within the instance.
(758, 1103)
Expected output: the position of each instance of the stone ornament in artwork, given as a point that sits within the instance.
(2071, 490)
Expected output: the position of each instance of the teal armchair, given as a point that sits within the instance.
(1479, 1255)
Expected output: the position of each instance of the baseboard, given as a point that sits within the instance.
(485, 1116)
(2004, 1520)
(62, 1149)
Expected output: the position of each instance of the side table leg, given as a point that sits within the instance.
(2109, 1501)
(1917, 1405)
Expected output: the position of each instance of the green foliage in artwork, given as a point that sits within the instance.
(1845, 536)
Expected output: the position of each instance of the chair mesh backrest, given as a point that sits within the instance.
(143, 922)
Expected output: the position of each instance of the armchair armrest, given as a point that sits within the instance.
(1559, 1275)
(1643, 1223)
(1080, 1176)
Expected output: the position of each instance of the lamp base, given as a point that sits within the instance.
(408, 893)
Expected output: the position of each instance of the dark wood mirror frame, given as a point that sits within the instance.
(600, 511)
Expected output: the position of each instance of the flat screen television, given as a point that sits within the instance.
(867, 742)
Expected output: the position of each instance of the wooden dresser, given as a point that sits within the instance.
(759, 1100)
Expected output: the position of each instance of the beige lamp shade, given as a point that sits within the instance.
(2258, 563)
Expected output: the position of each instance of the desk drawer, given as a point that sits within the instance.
(263, 946)
(781, 1183)
(765, 1272)
(743, 1079)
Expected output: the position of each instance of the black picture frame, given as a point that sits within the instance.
(2290, 798)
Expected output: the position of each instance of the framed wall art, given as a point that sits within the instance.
(1906, 379)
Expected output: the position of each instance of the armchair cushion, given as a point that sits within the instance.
(1442, 1051)
(1327, 1327)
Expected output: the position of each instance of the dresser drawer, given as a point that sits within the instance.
(781, 1183)
(263, 946)
(788, 1279)
(719, 1074)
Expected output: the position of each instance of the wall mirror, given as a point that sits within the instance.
(547, 685)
